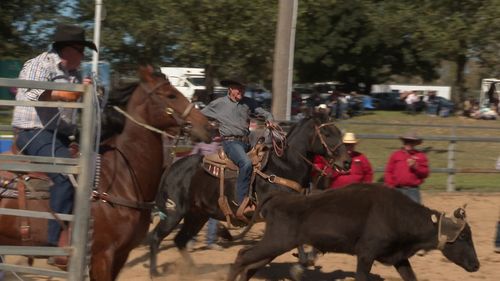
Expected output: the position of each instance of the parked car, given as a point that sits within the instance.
(388, 101)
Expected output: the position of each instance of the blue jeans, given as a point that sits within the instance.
(212, 231)
(61, 193)
(412, 192)
(237, 152)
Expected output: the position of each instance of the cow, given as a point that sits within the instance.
(371, 221)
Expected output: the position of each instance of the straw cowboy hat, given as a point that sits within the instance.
(411, 136)
(72, 34)
(349, 138)
(233, 81)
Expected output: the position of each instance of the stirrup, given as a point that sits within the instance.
(240, 213)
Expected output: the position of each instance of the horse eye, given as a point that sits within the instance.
(462, 236)
(172, 96)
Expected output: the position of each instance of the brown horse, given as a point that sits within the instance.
(131, 168)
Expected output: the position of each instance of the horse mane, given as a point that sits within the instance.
(112, 122)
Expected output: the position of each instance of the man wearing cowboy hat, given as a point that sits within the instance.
(233, 113)
(44, 131)
(360, 172)
(407, 167)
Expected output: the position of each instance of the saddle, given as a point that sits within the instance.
(220, 166)
(25, 186)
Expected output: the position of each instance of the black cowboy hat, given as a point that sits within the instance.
(68, 34)
(233, 81)
(411, 136)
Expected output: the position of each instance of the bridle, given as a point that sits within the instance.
(321, 137)
(180, 119)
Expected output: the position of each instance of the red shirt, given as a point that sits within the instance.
(398, 173)
(361, 171)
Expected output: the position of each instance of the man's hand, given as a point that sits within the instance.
(411, 162)
(87, 81)
(269, 124)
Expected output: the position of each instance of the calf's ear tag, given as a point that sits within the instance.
(434, 218)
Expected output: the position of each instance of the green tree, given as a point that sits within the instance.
(357, 42)
(222, 36)
(26, 26)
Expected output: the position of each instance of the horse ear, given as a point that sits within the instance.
(146, 73)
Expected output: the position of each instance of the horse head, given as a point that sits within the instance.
(327, 141)
(166, 108)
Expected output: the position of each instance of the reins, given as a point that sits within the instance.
(180, 119)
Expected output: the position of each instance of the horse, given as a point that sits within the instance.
(195, 192)
(131, 169)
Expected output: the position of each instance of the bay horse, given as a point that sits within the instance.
(131, 169)
(195, 192)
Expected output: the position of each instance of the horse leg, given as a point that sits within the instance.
(193, 223)
(162, 230)
(119, 261)
(101, 266)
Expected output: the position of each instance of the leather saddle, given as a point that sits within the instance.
(220, 166)
(215, 163)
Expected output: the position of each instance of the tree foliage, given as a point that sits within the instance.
(356, 42)
(26, 26)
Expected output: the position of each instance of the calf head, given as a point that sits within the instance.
(455, 241)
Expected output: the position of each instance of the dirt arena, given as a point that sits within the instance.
(483, 213)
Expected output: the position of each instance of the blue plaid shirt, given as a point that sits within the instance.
(45, 67)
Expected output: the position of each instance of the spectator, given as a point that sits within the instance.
(233, 113)
(497, 239)
(360, 172)
(411, 102)
(45, 131)
(407, 167)
(212, 224)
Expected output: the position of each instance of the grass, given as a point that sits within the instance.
(476, 155)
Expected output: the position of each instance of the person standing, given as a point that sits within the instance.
(360, 172)
(407, 167)
(45, 131)
(233, 113)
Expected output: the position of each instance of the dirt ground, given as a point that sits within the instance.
(482, 210)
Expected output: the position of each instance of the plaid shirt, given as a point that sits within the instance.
(45, 67)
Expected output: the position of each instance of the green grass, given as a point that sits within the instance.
(468, 154)
(477, 155)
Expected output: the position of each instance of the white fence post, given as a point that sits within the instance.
(450, 182)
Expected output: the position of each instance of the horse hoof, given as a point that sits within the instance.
(296, 272)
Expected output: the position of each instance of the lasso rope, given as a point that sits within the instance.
(278, 137)
(151, 128)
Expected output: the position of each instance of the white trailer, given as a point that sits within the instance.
(485, 86)
(188, 80)
(441, 91)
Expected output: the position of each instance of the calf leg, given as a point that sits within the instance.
(405, 270)
(249, 260)
(363, 268)
(251, 269)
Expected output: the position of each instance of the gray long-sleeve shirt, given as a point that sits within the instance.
(234, 117)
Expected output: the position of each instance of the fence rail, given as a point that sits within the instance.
(83, 166)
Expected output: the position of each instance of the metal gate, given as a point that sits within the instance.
(83, 167)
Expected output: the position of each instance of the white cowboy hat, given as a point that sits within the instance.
(349, 138)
